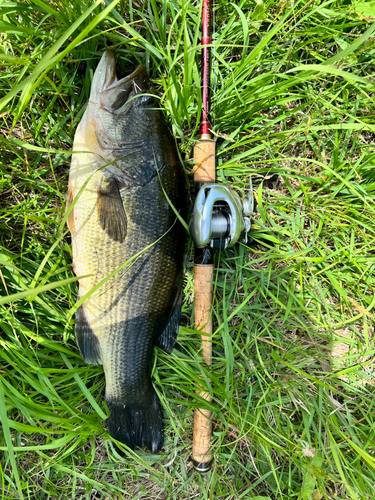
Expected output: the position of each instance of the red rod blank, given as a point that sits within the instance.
(206, 41)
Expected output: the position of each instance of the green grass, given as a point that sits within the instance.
(292, 378)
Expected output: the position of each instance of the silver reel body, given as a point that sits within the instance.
(219, 216)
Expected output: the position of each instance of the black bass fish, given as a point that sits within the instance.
(120, 183)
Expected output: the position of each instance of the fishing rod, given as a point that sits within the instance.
(218, 219)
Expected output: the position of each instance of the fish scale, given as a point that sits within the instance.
(120, 211)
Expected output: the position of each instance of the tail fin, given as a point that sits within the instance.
(137, 425)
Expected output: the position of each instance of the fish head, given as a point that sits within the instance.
(120, 111)
(118, 96)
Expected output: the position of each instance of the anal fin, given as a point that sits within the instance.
(87, 341)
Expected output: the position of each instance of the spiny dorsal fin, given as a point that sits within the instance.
(111, 213)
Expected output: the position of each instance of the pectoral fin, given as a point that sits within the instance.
(111, 213)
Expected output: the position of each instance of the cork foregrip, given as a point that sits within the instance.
(204, 161)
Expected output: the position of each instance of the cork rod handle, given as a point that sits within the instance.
(203, 276)
(204, 156)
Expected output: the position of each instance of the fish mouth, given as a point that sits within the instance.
(118, 83)
(105, 76)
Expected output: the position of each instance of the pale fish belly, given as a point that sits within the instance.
(95, 256)
(82, 220)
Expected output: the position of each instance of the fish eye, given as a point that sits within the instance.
(145, 100)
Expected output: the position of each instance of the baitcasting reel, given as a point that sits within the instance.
(219, 216)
